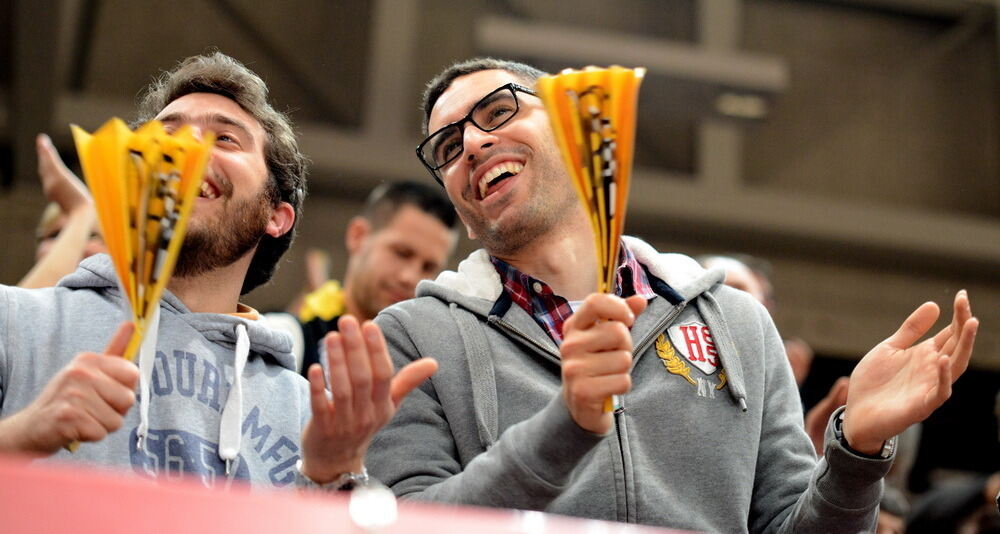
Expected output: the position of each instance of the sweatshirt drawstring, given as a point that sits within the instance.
(729, 356)
(230, 434)
(147, 357)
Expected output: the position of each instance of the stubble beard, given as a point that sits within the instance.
(221, 241)
(550, 201)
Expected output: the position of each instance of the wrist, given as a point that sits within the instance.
(329, 473)
(872, 448)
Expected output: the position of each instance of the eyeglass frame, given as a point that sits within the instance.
(460, 124)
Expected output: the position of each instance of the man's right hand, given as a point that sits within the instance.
(597, 357)
(85, 401)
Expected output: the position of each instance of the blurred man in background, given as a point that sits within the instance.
(405, 234)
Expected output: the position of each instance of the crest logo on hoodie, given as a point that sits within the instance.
(695, 343)
(676, 365)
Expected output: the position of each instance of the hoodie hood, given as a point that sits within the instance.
(97, 273)
(477, 279)
(476, 286)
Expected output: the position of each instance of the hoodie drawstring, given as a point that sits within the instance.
(147, 357)
(729, 356)
(230, 434)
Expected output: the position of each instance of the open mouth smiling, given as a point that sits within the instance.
(496, 175)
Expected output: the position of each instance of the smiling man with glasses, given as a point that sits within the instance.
(708, 435)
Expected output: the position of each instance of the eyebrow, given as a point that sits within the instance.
(495, 95)
(213, 118)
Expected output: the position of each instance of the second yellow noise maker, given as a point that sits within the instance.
(593, 115)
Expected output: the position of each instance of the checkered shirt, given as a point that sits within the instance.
(550, 310)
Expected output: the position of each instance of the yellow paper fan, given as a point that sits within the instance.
(593, 116)
(144, 185)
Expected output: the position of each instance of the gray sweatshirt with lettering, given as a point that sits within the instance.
(200, 416)
(710, 438)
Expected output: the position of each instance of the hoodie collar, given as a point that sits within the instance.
(476, 279)
(97, 273)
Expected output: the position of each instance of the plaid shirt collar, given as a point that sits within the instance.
(550, 310)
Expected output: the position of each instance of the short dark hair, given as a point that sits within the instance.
(437, 86)
(287, 167)
(387, 199)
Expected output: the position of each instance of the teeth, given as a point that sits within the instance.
(508, 167)
(207, 191)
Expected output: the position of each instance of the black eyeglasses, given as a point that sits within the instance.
(491, 112)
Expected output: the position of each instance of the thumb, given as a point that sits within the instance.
(119, 341)
(637, 304)
(410, 377)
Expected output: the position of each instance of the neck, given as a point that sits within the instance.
(565, 258)
(217, 291)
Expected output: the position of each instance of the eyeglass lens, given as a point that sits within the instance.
(490, 113)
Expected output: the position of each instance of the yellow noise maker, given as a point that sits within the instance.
(144, 184)
(593, 114)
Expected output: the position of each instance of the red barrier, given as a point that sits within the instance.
(46, 498)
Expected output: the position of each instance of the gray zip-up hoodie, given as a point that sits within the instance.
(710, 437)
(219, 393)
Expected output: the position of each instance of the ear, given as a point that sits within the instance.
(358, 230)
(281, 221)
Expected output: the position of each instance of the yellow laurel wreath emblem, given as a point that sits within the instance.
(722, 380)
(674, 364)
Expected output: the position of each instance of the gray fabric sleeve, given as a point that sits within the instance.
(843, 491)
(417, 456)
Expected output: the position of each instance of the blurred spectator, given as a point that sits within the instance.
(67, 231)
(405, 234)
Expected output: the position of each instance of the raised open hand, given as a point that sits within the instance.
(898, 383)
(364, 397)
(59, 183)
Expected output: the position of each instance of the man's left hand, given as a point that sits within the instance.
(898, 384)
(365, 396)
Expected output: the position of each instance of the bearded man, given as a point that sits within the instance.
(219, 397)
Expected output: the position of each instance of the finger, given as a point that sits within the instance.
(959, 360)
(113, 394)
(593, 391)
(340, 381)
(378, 358)
(600, 307)
(122, 371)
(410, 377)
(946, 340)
(318, 400)
(106, 415)
(119, 341)
(598, 364)
(915, 326)
(88, 428)
(358, 366)
(637, 304)
(939, 394)
(605, 336)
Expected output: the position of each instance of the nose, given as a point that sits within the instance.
(475, 140)
(410, 274)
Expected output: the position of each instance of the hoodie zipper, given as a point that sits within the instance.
(540, 348)
(620, 411)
